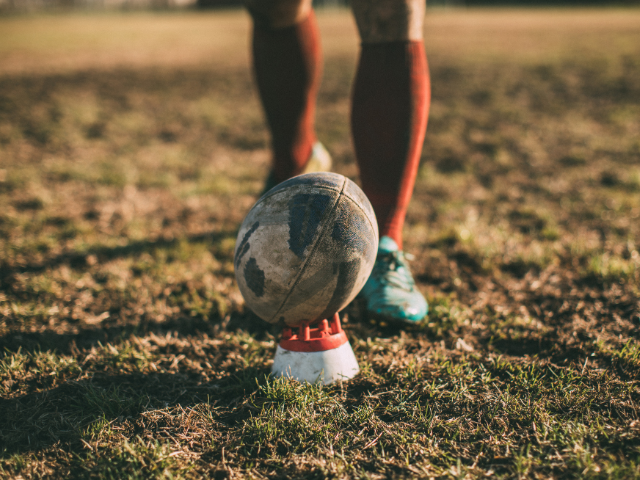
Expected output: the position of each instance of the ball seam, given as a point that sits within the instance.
(313, 248)
(374, 225)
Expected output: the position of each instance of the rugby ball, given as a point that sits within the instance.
(306, 248)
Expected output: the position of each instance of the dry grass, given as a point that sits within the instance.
(131, 147)
(77, 42)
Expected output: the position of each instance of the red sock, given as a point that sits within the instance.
(391, 99)
(288, 64)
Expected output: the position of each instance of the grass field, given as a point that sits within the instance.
(131, 147)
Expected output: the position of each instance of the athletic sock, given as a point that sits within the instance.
(287, 65)
(391, 97)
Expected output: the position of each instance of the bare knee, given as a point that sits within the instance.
(389, 20)
(278, 13)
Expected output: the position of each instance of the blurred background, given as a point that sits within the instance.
(38, 5)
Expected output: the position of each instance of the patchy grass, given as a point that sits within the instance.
(126, 350)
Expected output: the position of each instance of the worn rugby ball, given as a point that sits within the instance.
(306, 248)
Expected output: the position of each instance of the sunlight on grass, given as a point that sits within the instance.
(136, 459)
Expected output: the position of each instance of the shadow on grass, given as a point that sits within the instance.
(519, 347)
(76, 410)
(89, 335)
(78, 260)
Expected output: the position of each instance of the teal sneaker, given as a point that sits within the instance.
(319, 161)
(390, 291)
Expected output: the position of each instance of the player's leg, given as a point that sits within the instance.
(389, 118)
(287, 66)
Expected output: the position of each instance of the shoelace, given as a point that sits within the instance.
(392, 269)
